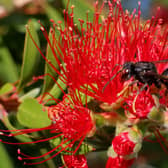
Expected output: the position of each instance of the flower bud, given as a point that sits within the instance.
(127, 143)
(75, 161)
(116, 161)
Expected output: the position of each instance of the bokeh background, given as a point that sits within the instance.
(14, 15)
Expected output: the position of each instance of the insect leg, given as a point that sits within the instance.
(110, 80)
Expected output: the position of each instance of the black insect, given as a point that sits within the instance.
(143, 72)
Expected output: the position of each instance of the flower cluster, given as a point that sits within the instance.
(101, 91)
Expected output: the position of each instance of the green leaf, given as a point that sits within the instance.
(30, 55)
(48, 81)
(8, 124)
(31, 94)
(31, 114)
(80, 9)
(8, 69)
(84, 148)
(5, 160)
(56, 92)
(6, 88)
(55, 15)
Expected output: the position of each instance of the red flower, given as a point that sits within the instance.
(90, 59)
(75, 161)
(96, 55)
(71, 122)
(123, 145)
